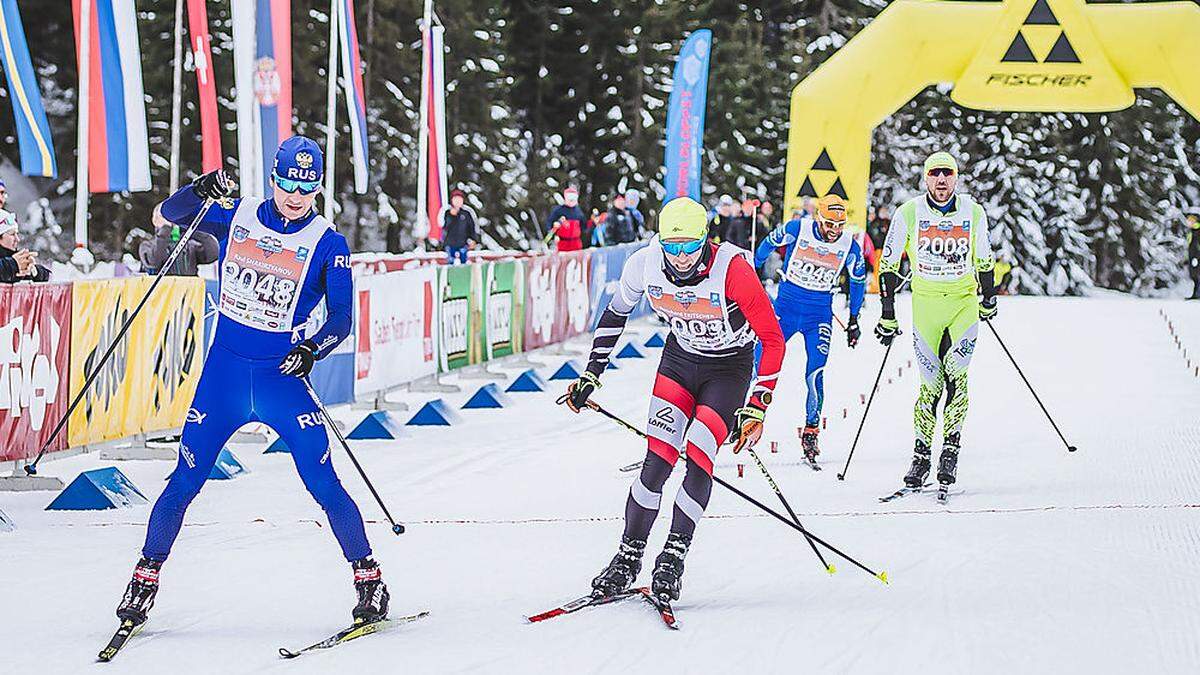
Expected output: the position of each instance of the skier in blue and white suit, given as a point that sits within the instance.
(279, 259)
(818, 249)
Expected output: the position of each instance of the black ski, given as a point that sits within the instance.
(812, 464)
(631, 467)
(353, 633)
(127, 630)
(581, 603)
(904, 491)
(663, 606)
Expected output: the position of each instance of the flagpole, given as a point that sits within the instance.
(81, 163)
(177, 96)
(423, 134)
(331, 107)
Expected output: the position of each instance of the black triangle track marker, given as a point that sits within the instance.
(837, 189)
(1062, 51)
(1019, 52)
(1041, 15)
(807, 189)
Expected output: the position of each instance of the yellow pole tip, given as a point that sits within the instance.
(831, 569)
(883, 577)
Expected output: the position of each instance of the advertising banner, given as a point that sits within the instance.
(504, 307)
(541, 305)
(572, 302)
(460, 316)
(396, 319)
(35, 328)
(606, 265)
(149, 381)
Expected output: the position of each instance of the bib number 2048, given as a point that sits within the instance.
(266, 287)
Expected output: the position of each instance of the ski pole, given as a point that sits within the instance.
(882, 576)
(863, 421)
(1070, 448)
(31, 468)
(779, 493)
(329, 423)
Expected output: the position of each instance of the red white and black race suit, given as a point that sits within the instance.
(706, 369)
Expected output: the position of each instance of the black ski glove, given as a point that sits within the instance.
(853, 332)
(988, 308)
(214, 185)
(579, 391)
(299, 362)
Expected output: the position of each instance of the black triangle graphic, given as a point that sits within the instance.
(807, 189)
(1019, 51)
(837, 189)
(1041, 15)
(1062, 51)
(823, 163)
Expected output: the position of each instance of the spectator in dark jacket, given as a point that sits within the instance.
(622, 229)
(201, 249)
(720, 223)
(632, 199)
(566, 222)
(737, 231)
(17, 264)
(459, 231)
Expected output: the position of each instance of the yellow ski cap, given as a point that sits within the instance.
(683, 218)
(941, 160)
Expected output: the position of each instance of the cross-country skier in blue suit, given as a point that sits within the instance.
(818, 249)
(279, 258)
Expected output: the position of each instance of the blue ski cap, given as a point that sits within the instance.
(299, 164)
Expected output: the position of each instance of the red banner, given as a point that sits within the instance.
(35, 336)
(210, 124)
(556, 297)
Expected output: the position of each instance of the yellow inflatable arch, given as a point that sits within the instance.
(1016, 55)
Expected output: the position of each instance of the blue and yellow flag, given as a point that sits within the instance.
(33, 131)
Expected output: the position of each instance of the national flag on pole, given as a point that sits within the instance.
(118, 145)
(685, 117)
(210, 123)
(249, 153)
(431, 183)
(273, 78)
(356, 94)
(33, 131)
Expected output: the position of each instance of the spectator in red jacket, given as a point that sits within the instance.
(566, 221)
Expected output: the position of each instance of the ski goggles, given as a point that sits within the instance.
(682, 247)
(941, 171)
(304, 187)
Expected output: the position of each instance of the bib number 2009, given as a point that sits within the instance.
(267, 288)
(698, 328)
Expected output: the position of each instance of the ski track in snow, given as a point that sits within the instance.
(1048, 562)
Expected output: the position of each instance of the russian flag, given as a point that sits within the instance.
(273, 78)
(33, 131)
(356, 96)
(118, 145)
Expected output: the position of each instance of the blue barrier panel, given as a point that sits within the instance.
(277, 446)
(435, 413)
(488, 396)
(527, 381)
(227, 467)
(656, 341)
(376, 426)
(97, 489)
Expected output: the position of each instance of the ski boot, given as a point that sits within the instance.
(808, 442)
(668, 567)
(621, 572)
(373, 594)
(948, 462)
(919, 470)
(139, 594)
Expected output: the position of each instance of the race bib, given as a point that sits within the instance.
(697, 322)
(944, 248)
(813, 269)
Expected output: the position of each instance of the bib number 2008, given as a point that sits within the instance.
(946, 247)
(267, 288)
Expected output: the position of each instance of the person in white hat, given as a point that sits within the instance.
(16, 263)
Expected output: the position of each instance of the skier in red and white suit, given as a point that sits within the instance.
(715, 305)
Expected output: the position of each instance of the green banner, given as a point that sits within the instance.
(504, 307)
(459, 289)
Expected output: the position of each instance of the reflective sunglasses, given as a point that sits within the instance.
(304, 187)
(682, 247)
(941, 172)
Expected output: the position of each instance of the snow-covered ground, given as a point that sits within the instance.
(1048, 562)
